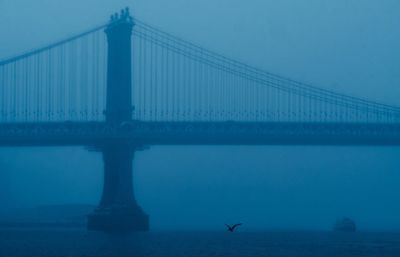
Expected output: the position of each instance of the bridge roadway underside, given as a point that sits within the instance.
(95, 134)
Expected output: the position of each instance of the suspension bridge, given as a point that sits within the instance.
(126, 85)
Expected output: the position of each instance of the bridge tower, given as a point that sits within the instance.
(118, 210)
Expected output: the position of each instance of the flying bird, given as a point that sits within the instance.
(232, 228)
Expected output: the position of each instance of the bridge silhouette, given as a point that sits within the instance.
(135, 86)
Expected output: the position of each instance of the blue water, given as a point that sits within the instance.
(71, 243)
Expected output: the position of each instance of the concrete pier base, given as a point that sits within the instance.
(118, 210)
(118, 219)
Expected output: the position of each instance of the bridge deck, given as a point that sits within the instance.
(198, 133)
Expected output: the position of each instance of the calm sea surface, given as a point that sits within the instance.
(66, 243)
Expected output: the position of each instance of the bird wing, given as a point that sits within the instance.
(236, 225)
(229, 227)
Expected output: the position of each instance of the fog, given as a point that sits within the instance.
(348, 46)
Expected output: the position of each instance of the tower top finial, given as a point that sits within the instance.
(123, 16)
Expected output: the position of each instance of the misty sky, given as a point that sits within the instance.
(350, 46)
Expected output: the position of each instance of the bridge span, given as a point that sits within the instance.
(198, 133)
(126, 85)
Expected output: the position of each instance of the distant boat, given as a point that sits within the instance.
(345, 224)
